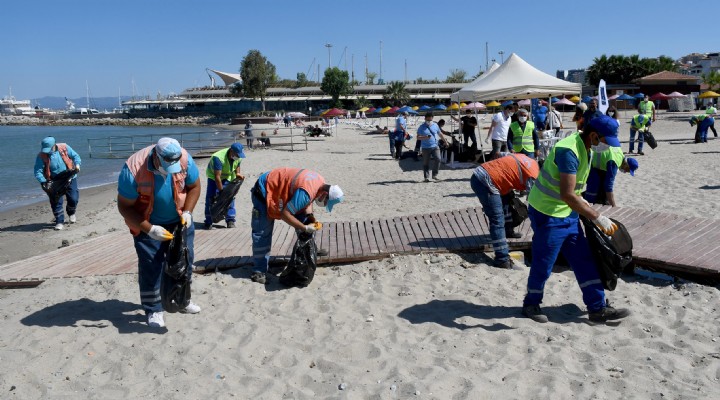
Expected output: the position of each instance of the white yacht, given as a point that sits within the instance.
(10, 106)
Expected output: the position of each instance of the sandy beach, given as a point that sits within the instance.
(430, 326)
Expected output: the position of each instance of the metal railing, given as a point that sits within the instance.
(196, 143)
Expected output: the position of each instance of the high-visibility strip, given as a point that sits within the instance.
(588, 283)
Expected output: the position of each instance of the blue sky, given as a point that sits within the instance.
(52, 48)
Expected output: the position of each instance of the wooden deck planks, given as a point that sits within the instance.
(679, 243)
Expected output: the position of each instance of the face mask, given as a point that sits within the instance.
(321, 203)
(161, 171)
(600, 147)
(428, 123)
(522, 119)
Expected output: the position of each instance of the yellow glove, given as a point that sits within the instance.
(187, 218)
(605, 224)
(157, 232)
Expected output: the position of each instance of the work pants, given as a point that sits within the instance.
(493, 208)
(552, 235)
(151, 257)
(426, 154)
(497, 147)
(641, 140)
(72, 195)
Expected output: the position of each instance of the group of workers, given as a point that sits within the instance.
(158, 189)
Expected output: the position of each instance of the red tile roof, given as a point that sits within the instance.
(668, 76)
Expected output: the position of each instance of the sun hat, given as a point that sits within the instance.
(606, 127)
(169, 152)
(238, 149)
(633, 164)
(335, 196)
(47, 144)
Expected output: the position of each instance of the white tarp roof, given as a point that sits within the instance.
(516, 79)
(462, 94)
(227, 77)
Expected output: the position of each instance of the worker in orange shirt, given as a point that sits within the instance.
(491, 182)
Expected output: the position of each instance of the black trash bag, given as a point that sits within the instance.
(650, 140)
(59, 184)
(221, 203)
(300, 270)
(517, 211)
(611, 253)
(175, 284)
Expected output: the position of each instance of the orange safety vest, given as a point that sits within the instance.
(283, 182)
(62, 149)
(505, 174)
(145, 179)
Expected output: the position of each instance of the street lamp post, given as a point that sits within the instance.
(502, 58)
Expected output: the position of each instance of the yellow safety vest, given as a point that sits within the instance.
(228, 167)
(545, 194)
(523, 140)
(600, 160)
(648, 107)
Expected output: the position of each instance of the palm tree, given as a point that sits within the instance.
(396, 94)
(711, 79)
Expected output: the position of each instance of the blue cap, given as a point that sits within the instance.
(606, 127)
(169, 152)
(238, 149)
(47, 144)
(633, 164)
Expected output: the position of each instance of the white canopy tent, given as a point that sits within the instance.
(515, 79)
(460, 94)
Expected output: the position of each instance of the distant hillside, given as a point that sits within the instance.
(100, 103)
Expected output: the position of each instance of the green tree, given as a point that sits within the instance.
(371, 78)
(456, 76)
(257, 74)
(301, 79)
(361, 102)
(626, 69)
(336, 83)
(712, 79)
(396, 94)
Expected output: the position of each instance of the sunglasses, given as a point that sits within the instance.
(171, 160)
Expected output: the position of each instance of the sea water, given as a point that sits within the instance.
(20, 145)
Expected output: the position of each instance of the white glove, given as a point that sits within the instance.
(157, 232)
(605, 225)
(187, 218)
(487, 140)
(310, 228)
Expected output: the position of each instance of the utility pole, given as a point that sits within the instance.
(486, 56)
(366, 69)
(329, 46)
(502, 58)
(352, 66)
(345, 57)
(405, 81)
(380, 79)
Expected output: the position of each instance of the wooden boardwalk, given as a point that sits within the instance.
(683, 246)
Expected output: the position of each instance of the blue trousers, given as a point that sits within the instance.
(641, 139)
(151, 255)
(72, 196)
(551, 236)
(391, 135)
(212, 190)
(262, 230)
(493, 207)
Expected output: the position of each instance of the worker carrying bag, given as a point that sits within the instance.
(222, 201)
(300, 270)
(58, 185)
(175, 283)
(611, 253)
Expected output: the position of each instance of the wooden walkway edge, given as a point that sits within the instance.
(688, 247)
